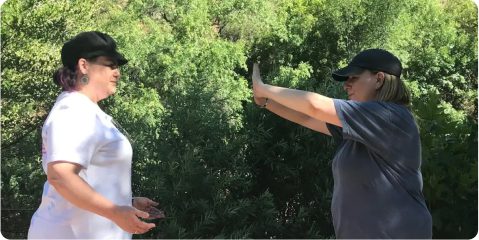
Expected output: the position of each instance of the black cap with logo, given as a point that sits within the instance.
(89, 45)
(370, 59)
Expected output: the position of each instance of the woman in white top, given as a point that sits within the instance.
(86, 159)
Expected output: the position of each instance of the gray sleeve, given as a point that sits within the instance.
(372, 123)
(336, 132)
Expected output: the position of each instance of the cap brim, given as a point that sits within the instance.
(121, 60)
(118, 57)
(342, 74)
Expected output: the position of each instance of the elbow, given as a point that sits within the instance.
(54, 179)
(57, 176)
(315, 108)
(321, 108)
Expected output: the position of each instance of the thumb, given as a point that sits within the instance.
(151, 202)
(255, 71)
(255, 66)
(141, 214)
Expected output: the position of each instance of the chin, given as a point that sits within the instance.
(107, 94)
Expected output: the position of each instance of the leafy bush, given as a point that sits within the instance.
(219, 166)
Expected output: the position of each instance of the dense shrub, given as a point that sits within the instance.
(219, 166)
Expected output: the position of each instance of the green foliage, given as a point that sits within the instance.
(219, 166)
(449, 144)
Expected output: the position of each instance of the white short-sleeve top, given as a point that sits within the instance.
(78, 131)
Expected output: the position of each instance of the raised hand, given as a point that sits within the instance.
(257, 83)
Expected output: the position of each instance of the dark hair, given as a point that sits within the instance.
(66, 78)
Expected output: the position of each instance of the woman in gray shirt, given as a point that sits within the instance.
(377, 166)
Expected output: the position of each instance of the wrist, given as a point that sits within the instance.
(112, 212)
(265, 104)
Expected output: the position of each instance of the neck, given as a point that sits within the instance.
(92, 95)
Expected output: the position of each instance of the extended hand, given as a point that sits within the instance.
(148, 205)
(128, 218)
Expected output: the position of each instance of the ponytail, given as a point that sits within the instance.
(393, 90)
(66, 78)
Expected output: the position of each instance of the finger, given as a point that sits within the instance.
(141, 214)
(141, 226)
(160, 214)
(156, 213)
(153, 202)
(144, 226)
(142, 231)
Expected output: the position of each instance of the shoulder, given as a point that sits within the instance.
(387, 112)
(399, 116)
(73, 108)
(368, 104)
(74, 100)
(372, 106)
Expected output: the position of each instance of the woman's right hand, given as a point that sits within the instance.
(63, 176)
(128, 218)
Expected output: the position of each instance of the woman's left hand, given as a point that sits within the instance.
(148, 205)
(258, 84)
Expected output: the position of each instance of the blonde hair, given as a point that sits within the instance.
(393, 90)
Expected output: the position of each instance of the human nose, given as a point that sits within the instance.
(346, 85)
(117, 73)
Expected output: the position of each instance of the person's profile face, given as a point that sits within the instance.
(105, 73)
(361, 87)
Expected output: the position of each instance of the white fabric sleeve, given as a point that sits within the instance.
(71, 136)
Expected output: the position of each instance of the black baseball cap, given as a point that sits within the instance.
(89, 45)
(370, 59)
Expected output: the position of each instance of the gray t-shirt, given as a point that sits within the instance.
(377, 173)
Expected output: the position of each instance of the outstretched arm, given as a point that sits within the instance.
(311, 104)
(294, 116)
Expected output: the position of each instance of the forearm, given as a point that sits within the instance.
(74, 189)
(297, 117)
(63, 176)
(310, 104)
(286, 113)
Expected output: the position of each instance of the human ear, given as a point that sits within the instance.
(82, 66)
(379, 80)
